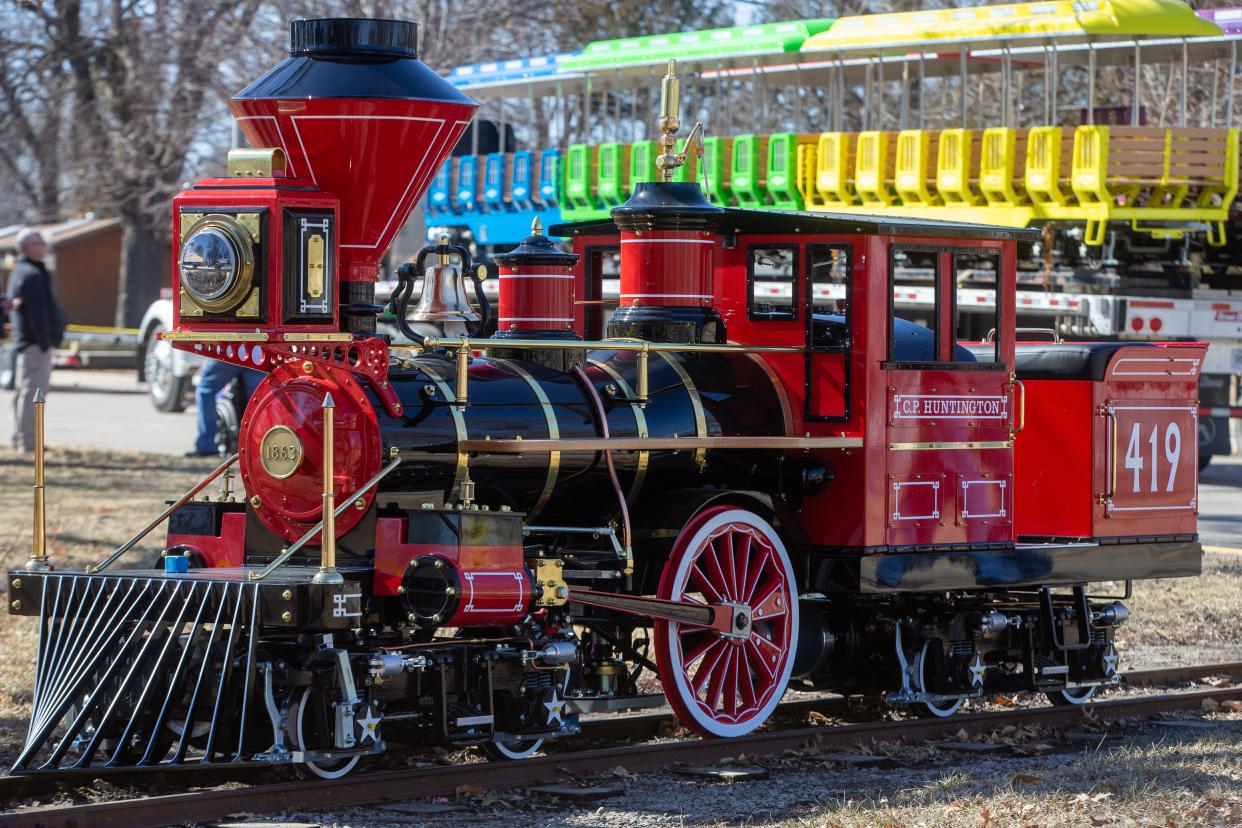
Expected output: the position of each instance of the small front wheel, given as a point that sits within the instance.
(1072, 696)
(514, 749)
(312, 730)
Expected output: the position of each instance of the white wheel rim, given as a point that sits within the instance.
(318, 770)
(697, 543)
(504, 749)
(1079, 695)
(932, 707)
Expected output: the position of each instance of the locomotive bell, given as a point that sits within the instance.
(444, 293)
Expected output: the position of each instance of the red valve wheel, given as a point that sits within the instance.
(728, 684)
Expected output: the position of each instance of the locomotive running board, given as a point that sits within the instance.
(1024, 565)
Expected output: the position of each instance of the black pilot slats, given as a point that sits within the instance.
(136, 670)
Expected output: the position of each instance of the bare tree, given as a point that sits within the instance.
(139, 84)
(115, 105)
(32, 95)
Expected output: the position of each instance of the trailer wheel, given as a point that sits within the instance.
(717, 684)
(167, 391)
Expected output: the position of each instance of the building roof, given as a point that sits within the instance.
(60, 232)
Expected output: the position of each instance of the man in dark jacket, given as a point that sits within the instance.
(38, 327)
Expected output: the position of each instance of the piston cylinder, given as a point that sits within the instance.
(440, 592)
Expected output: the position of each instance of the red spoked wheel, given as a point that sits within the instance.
(727, 684)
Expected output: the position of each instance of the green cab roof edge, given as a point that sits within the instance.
(708, 44)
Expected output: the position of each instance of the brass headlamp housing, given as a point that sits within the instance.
(199, 260)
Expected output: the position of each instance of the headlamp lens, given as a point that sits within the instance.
(209, 264)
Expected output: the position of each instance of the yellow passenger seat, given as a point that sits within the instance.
(1003, 151)
(834, 167)
(1049, 160)
(915, 149)
(872, 179)
(806, 165)
(957, 167)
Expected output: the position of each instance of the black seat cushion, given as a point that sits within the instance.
(1067, 360)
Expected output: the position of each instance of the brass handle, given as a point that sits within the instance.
(1112, 457)
(1018, 386)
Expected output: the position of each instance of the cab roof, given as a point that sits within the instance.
(742, 222)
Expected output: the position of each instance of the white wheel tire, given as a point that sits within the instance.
(509, 753)
(1079, 695)
(322, 773)
(932, 708)
(712, 726)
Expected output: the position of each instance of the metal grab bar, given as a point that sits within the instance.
(346, 502)
(1018, 386)
(608, 345)
(1056, 337)
(185, 498)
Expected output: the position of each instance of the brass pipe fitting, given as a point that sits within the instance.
(327, 573)
(642, 377)
(38, 551)
(463, 374)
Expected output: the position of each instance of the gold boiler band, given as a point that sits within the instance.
(640, 424)
(554, 433)
(462, 470)
(696, 402)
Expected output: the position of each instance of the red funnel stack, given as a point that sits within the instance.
(362, 118)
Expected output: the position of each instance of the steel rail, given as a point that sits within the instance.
(404, 784)
(648, 725)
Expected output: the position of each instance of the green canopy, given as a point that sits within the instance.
(711, 45)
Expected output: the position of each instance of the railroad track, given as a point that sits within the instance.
(404, 784)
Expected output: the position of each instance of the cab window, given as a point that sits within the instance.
(976, 314)
(914, 304)
(829, 271)
(771, 274)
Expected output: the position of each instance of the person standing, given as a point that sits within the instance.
(38, 327)
(214, 378)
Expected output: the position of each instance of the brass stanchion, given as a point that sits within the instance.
(327, 573)
(38, 552)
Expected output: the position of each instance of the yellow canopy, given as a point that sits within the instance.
(1054, 21)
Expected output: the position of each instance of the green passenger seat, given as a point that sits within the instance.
(580, 178)
(748, 177)
(717, 158)
(612, 174)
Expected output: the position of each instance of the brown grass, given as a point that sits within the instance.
(97, 499)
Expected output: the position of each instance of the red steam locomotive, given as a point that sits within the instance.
(763, 470)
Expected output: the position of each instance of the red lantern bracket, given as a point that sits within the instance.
(365, 357)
